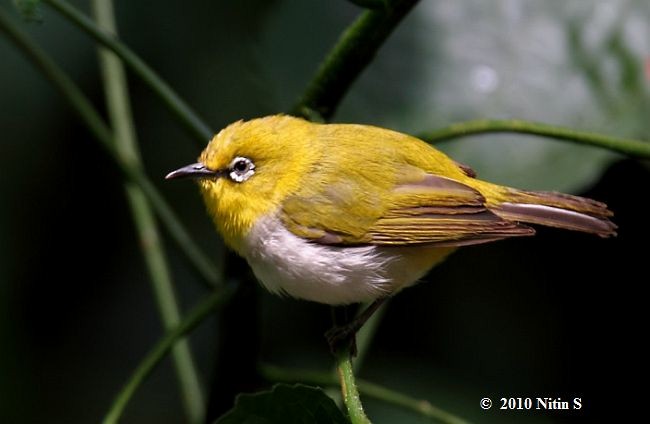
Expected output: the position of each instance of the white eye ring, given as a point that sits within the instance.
(241, 169)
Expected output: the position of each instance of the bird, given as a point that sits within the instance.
(349, 213)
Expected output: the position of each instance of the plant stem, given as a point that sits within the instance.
(186, 372)
(631, 147)
(197, 128)
(103, 134)
(369, 389)
(355, 49)
(119, 112)
(195, 316)
(349, 388)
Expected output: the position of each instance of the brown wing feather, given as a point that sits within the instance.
(422, 210)
(440, 211)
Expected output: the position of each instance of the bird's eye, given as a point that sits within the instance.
(241, 165)
(241, 169)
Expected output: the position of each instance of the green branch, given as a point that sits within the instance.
(371, 390)
(119, 111)
(636, 148)
(186, 371)
(349, 388)
(200, 131)
(355, 49)
(103, 134)
(153, 358)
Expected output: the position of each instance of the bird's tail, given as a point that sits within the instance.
(556, 210)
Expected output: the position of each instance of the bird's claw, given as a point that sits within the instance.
(342, 337)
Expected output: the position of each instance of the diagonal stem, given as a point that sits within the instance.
(118, 104)
(99, 129)
(354, 51)
(194, 317)
(627, 146)
(199, 130)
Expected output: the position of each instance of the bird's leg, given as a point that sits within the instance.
(345, 335)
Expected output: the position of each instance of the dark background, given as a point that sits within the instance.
(559, 315)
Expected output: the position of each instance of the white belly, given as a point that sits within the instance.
(287, 264)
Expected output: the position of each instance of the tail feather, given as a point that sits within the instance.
(557, 210)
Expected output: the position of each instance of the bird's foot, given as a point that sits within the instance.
(342, 337)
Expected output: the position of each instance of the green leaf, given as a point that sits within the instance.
(284, 404)
(29, 9)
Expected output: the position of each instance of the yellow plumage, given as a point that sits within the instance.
(347, 186)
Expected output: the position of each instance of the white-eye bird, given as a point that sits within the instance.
(343, 213)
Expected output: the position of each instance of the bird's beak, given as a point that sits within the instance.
(195, 170)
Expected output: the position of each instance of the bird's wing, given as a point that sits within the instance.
(419, 209)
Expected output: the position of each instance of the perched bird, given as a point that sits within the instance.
(344, 213)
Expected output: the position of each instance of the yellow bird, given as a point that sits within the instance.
(343, 213)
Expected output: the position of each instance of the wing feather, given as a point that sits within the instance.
(422, 209)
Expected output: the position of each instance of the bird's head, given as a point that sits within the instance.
(248, 169)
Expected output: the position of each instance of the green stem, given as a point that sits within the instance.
(348, 58)
(153, 358)
(349, 388)
(200, 131)
(103, 134)
(637, 148)
(119, 112)
(187, 374)
(371, 390)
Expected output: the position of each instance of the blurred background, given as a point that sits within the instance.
(559, 315)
